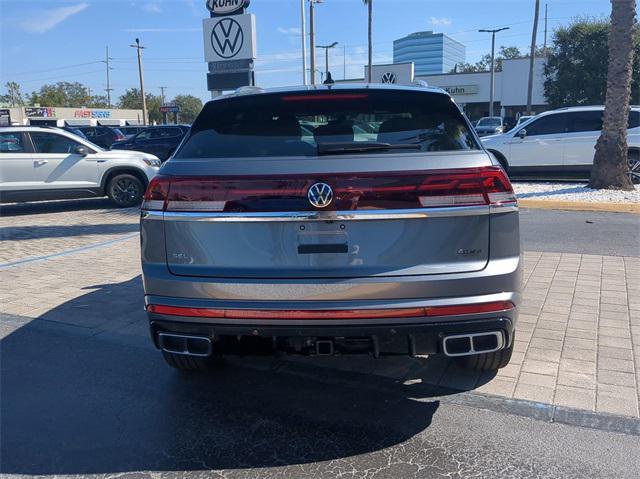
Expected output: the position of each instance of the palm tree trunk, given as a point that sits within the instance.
(370, 35)
(610, 165)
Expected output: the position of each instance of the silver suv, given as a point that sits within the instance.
(281, 225)
(43, 163)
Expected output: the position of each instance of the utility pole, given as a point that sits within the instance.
(493, 60)
(139, 49)
(544, 48)
(303, 24)
(312, 38)
(532, 56)
(108, 89)
(344, 62)
(326, 56)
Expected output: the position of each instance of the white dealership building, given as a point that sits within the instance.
(471, 90)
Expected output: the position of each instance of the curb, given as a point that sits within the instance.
(580, 206)
(471, 399)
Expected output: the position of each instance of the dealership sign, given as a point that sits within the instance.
(461, 89)
(226, 7)
(229, 38)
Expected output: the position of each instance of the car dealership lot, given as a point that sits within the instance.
(73, 324)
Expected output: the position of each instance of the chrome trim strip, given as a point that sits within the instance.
(330, 215)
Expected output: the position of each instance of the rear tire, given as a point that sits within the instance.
(192, 363)
(488, 361)
(125, 190)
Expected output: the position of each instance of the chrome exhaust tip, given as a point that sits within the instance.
(468, 344)
(186, 345)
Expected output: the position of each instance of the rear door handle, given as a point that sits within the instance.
(41, 162)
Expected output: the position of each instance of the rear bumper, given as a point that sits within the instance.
(404, 336)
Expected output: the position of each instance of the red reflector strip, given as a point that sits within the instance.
(492, 307)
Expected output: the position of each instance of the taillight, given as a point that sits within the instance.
(351, 191)
(156, 195)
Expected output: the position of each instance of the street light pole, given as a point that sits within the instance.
(303, 24)
(493, 60)
(312, 38)
(139, 48)
(326, 56)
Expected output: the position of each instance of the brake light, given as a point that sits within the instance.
(156, 195)
(326, 96)
(431, 311)
(351, 191)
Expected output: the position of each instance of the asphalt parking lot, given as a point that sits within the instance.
(84, 392)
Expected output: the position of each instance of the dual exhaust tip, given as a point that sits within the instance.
(468, 344)
(452, 346)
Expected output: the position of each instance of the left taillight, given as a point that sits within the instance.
(155, 198)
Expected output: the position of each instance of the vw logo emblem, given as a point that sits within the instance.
(389, 77)
(227, 38)
(320, 195)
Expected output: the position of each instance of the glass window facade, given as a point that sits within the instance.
(430, 52)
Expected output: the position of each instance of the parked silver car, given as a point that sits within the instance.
(257, 237)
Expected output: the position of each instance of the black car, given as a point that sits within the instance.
(75, 131)
(103, 136)
(130, 131)
(160, 141)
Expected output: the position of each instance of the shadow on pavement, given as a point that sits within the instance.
(77, 400)
(59, 206)
(19, 233)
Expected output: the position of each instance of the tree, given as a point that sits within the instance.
(13, 96)
(484, 64)
(131, 99)
(610, 165)
(369, 4)
(189, 105)
(64, 94)
(576, 67)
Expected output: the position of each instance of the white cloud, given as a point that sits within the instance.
(152, 7)
(290, 31)
(48, 19)
(162, 30)
(440, 21)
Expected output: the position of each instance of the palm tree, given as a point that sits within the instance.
(369, 4)
(611, 162)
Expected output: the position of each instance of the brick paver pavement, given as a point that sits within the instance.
(577, 343)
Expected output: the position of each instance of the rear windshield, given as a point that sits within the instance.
(489, 122)
(302, 124)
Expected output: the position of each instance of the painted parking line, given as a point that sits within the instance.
(68, 252)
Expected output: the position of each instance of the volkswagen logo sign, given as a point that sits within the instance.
(227, 38)
(320, 195)
(389, 77)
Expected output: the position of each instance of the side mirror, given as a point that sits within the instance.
(81, 150)
(522, 133)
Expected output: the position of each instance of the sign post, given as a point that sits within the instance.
(229, 45)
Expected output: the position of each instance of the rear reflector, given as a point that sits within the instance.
(492, 307)
(351, 191)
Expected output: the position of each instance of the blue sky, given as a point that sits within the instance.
(65, 40)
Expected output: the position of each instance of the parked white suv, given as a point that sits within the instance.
(560, 144)
(44, 163)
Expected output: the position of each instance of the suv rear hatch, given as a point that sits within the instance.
(328, 185)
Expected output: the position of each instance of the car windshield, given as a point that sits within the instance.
(492, 121)
(325, 122)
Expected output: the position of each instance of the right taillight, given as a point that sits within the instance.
(351, 191)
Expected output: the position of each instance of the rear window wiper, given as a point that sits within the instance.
(345, 148)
